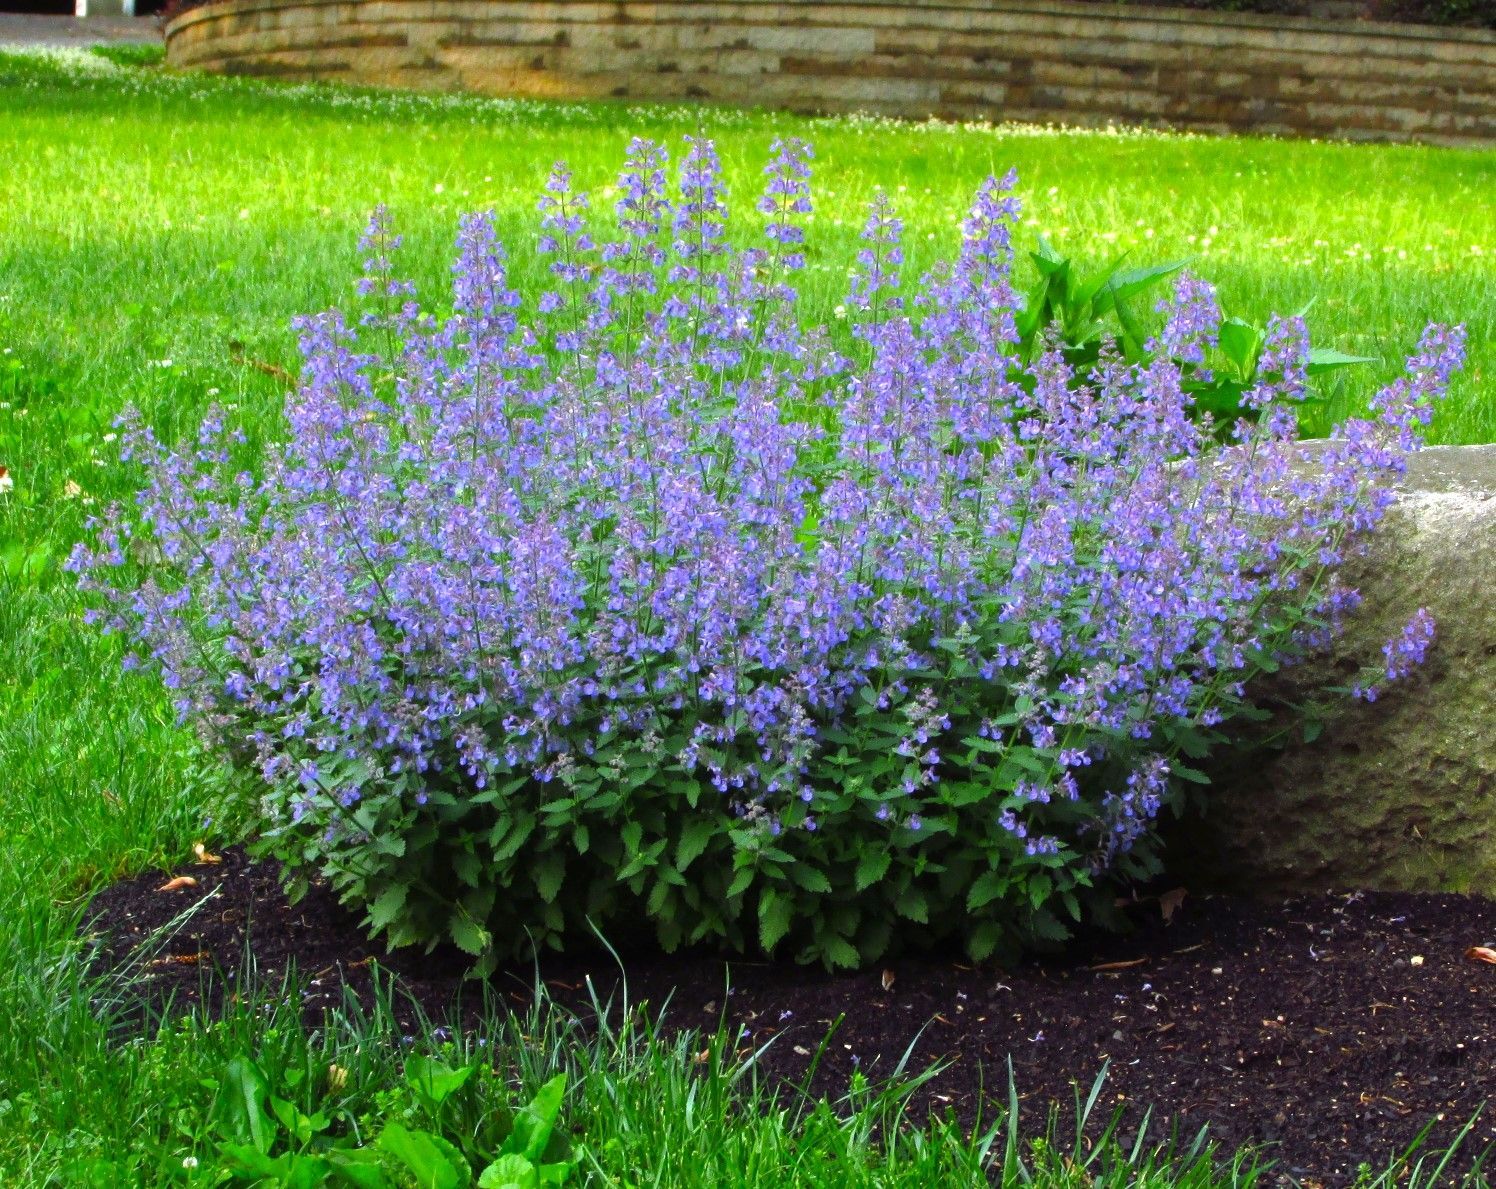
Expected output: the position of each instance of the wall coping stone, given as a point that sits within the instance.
(1044, 61)
(1150, 15)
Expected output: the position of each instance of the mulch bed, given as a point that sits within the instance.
(1333, 1027)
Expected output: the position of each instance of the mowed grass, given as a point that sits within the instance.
(158, 233)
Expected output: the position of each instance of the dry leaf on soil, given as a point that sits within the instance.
(1169, 902)
(203, 854)
(1103, 966)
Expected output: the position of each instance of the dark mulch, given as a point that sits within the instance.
(1333, 1026)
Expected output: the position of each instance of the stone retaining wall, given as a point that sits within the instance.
(1047, 62)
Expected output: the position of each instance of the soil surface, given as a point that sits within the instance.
(1331, 1027)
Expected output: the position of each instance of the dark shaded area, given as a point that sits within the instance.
(42, 7)
(1334, 1026)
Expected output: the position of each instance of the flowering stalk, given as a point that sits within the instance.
(640, 599)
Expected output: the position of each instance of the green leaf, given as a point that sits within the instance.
(1323, 359)
(983, 940)
(434, 1082)
(1086, 291)
(468, 935)
(871, 867)
(741, 881)
(912, 904)
(693, 840)
(431, 1160)
(510, 1172)
(774, 913)
(1044, 925)
(838, 951)
(810, 879)
(301, 1127)
(359, 1167)
(1241, 343)
(239, 1109)
(550, 873)
(990, 886)
(510, 835)
(535, 1122)
(387, 906)
(1135, 280)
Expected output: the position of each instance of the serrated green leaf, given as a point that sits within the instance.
(387, 906)
(693, 841)
(872, 867)
(550, 873)
(982, 940)
(913, 905)
(810, 879)
(838, 951)
(741, 881)
(775, 911)
(987, 887)
(469, 936)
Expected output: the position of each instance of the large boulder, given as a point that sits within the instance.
(1399, 794)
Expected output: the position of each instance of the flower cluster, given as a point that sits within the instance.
(637, 595)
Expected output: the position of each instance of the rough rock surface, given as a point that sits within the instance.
(1399, 794)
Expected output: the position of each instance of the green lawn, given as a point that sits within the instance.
(150, 223)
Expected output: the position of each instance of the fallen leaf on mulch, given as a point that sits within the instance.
(887, 980)
(177, 884)
(1169, 902)
(1481, 953)
(203, 855)
(1118, 965)
(180, 959)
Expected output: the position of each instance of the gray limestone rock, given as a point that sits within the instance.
(1399, 794)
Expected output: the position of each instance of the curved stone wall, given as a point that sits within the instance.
(1045, 61)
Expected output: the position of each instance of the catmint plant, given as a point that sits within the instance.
(638, 597)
